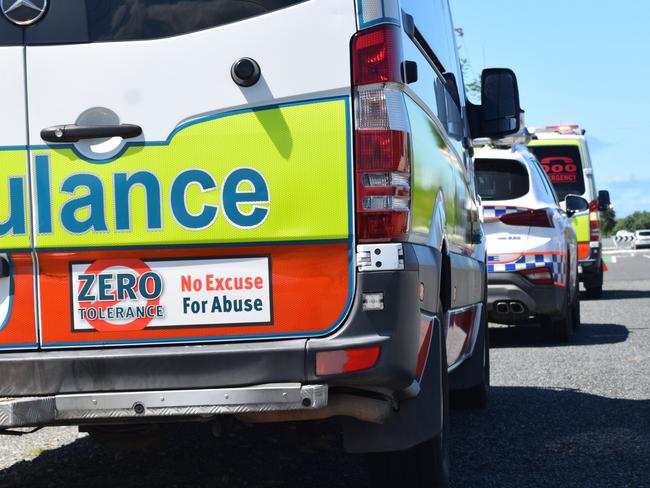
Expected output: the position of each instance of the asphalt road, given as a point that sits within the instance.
(576, 415)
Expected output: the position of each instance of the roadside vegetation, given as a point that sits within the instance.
(635, 221)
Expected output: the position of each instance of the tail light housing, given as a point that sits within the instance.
(346, 360)
(594, 223)
(539, 276)
(529, 218)
(382, 136)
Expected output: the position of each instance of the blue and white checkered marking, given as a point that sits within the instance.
(556, 263)
(491, 212)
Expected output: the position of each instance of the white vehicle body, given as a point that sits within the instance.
(532, 247)
(642, 238)
(272, 185)
(563, 153)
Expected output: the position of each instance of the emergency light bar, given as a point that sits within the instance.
(564, 129)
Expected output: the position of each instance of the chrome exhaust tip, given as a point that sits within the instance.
(502, 308)
(517, 308)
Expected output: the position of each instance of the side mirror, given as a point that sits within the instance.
(603, 200)
(575, 204)
(499, 112)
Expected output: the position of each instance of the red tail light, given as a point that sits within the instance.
(594, 223)
(532, 218)
(382, 136)
(539, 276)
(377, 56)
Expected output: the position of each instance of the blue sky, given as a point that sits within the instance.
(577, 61)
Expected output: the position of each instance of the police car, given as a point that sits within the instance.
(532, 247)
(259, 208)
(564, 155)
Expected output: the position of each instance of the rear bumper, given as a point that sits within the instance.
(92, 407)
(512, 288)
(395, 330)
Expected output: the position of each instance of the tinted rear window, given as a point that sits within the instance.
(132, 20)
(644, 233)
(563, 167)
(501, 179)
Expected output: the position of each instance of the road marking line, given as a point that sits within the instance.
(624, 251)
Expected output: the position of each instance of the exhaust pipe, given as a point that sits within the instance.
(362, 408)
(517, 308)
(502, 308)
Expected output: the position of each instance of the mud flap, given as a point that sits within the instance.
(418, 419)
(470, 372)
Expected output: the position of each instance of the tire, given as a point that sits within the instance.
(595, 290)
(423, 466)
(595, 293)
(559, 328)
(575, 310)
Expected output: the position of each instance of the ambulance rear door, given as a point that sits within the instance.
(190, 169)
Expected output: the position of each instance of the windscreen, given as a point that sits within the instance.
(644, 233)
(77, 21)
(501, 179)
(563, 167)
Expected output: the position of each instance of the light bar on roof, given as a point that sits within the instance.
(565, 129)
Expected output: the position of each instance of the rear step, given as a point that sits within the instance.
(58, 409)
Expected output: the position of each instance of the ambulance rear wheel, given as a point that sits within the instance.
(595, 293)
(423, 466)
(594, 287)
(575, 310)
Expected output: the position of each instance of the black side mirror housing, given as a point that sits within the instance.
(575, 204)
(499, 113)
(603, 200)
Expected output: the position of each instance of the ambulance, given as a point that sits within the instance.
(564, 154)
(257, 209)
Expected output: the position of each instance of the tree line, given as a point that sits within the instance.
(609, 224)
(635, 221)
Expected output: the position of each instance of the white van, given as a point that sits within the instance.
(255, 208)
(564, 154)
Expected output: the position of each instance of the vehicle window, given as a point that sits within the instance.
(433, 20)
(563, 167)
(433, 23)
(501, 179)
(544, 178)
(132, 20)
(644, 233)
